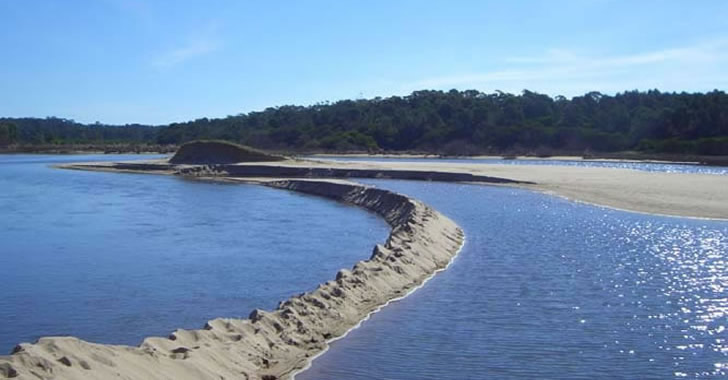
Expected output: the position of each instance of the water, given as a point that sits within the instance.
(549, 289)
(114, 258)
(641, 166)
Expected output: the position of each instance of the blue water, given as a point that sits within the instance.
(114, 258)
(549, 289)
(642, 166)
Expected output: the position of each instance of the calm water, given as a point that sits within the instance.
(116, 257)
(549, 289)
(643, 166)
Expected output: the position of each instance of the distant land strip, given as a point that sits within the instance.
(452, 123)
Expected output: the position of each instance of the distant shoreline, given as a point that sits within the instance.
(405, 156)
(72, 149)
(607, 157)
(600, 157)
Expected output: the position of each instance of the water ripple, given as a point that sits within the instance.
(550, 289)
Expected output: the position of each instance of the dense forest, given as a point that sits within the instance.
(452, 122)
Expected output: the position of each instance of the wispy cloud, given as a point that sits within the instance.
(568, 72)
(192, 49)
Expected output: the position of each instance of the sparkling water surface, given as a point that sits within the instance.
(549, 289)
(114, 258)
(632, 165)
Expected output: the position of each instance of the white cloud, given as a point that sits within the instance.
(699, 67)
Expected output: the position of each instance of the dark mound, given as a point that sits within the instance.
(219, 152)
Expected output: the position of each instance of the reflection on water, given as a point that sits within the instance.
(692, 271)
(551, 289)
(113, 258)
(642, 166)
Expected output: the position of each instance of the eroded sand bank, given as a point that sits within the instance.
(275, 344)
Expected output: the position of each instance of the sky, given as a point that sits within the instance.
(156, 62)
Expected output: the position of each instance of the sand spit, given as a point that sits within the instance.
(270, 344)
(672, 194)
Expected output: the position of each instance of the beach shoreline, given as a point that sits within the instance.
(606, 157)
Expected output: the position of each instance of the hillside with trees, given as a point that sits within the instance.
(452, 122)
(8, 134)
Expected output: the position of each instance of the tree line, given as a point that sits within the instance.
(451, 122)
(53, 130)
(8, 133)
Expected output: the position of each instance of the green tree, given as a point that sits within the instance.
(8, 133)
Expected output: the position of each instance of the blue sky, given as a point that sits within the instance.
(126, 61)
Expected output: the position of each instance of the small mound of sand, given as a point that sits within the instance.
(219, 152)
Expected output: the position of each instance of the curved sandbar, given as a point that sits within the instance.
(276, 344)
